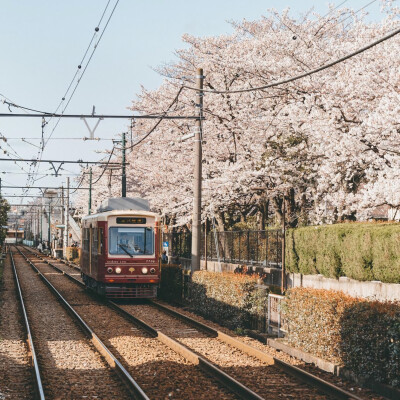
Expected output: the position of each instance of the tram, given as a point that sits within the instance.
(120, 256)
(14, 236)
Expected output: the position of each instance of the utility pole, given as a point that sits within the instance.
(0, 187)
(49, 233)
(109, 184)
(37, 226)
(66, 218)
(62, 216)
(123, 165)
(41, 225)
(196, 224)
(90, 191)
(283, 277)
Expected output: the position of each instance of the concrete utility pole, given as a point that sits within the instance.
(41, 224)
(62, 215)
(123, 194)
(109, 184)
(49, 233)
(90, 191)
(283, 277)
(196, 225)
(67, 215)
(65, 220)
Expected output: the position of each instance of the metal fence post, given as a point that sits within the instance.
(257, 233)
(269, 313)
(277, 248)
(279, 318)
(248, 246)
(239, 247)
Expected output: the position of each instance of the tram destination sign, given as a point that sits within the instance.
(131, 220)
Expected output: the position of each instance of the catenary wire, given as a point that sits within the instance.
(95, 47)
(297, 77)
(83, 72)
(158, 122)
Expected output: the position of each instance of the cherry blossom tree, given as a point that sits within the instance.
(326, 146)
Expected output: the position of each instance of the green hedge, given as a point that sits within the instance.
(363, 336)
(230, 299)
(362, 251)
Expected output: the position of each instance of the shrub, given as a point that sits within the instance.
(363, 336)
(228, 298)
(364, 251)
(171, 287)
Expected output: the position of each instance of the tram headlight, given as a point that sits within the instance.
(144, 270)
(118, 270)
(109, 270)
(152, 270)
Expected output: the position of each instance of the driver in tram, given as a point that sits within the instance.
(128, 242)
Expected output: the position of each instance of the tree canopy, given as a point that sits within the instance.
(325, 142)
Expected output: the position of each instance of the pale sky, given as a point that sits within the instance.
(42, 43)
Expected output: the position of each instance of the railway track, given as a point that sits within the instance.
(16, 380)
(68, 362)
(266, 376)
(160, 371)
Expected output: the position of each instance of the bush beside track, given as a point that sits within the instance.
(361, 251)
(171, 286)
(361, 335)
(233, 300)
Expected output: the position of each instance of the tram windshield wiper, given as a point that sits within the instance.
(124, 249)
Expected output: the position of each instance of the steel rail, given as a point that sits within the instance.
(38, 380)
(296, 372)
(209, 368)
(112, 361)
(292, 370)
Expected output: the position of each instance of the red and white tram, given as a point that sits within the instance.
(120, 249)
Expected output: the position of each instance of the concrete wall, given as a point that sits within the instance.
(272, 275)
(369, 290)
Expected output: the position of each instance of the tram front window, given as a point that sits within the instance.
(131, 241)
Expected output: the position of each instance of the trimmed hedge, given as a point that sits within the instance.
(227, 298)
(362, 251)
(363, 336)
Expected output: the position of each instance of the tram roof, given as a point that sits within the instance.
(103, 216)
(124, 203)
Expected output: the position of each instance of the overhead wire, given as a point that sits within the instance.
(84, 70)
(308, 73)
(84, 56)
(105, 167)
(45, 141)
(84, 138)
(158, 122)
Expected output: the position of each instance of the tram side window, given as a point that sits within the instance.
(86, 239)
(94, 240)
(100, 239)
